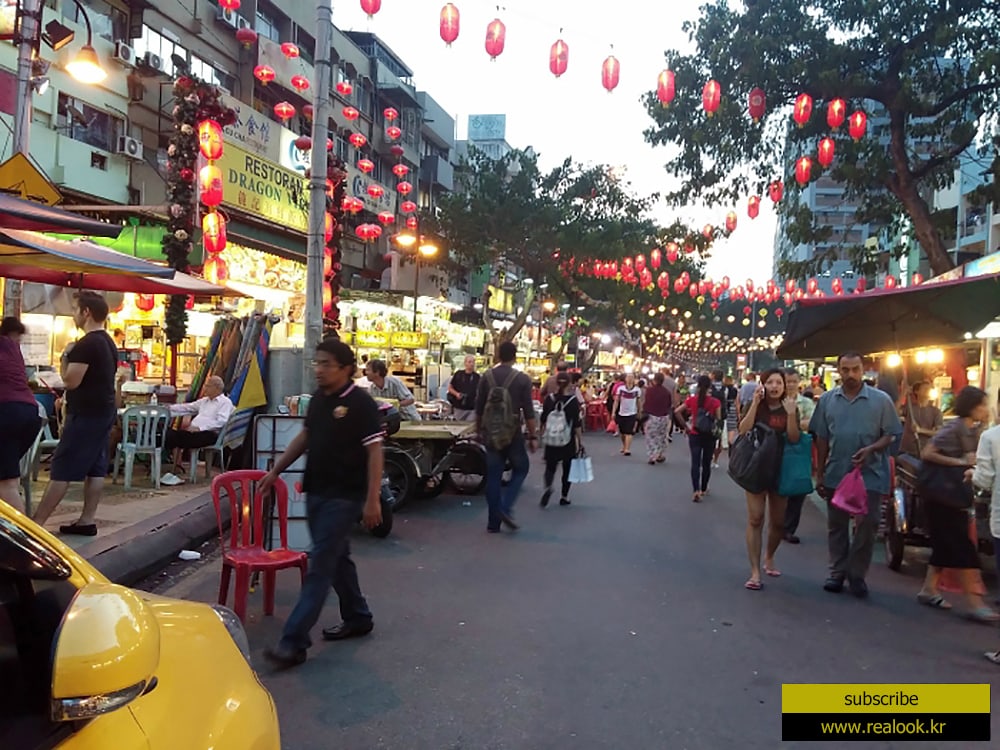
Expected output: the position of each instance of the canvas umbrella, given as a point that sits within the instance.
(932, 314)
(16, 213)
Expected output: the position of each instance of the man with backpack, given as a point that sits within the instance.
(504, 398)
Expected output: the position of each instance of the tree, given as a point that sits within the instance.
(928, 69)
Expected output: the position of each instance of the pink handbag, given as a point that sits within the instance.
(851, 495)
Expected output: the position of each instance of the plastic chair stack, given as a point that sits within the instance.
(245, 552)
(144, 429)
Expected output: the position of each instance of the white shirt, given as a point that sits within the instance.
(985, 475)
(628, 401)
(211, 414)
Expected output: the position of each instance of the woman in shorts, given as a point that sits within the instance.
(18, 412)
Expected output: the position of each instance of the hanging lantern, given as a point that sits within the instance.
(693, 290)
(496, 34)
(672, 252)
(803, 170)
(307, 111)
(837, 285)
(390, 114)
(858, 124)
(640, 262)
(411, 222)
(711, 97)
(210, 139)
(400, 170)
(284, 111)
(731, 221)
(803, 109)
(393, 132)
(344, 88)
(862, 284)
(329, 144)
(289, 50)
(775, 190)
(812, 285)
(371, 7)
(328, 225)
(663, 281)
(645, 278)
(327, 262)
(890, 282)
(229, 4)
(449, 23)
(836, 111)
(145, 302)
(357, 140)
(264, 74)
(918, 279)
(375, 190)
(665, 87)
(725, 283)
(350, 113)
(210, 185)
(327, 299)
(788, 298)
(408, 207)
(215, 270)
(825, 152)
(366, 165)
(300, 83)
(753, 206)
(790, 285)
(778, 313)
(757, 104)
(609, 73)
(213, 232)
(363, 232)
(708, 231)
(246, 36)
(404, 188)
(386, 217)
(375, 230)
(655, 258)
(303, 143)
(558, 57)
(747, 310)
(396, 150)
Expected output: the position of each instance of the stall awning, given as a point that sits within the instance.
(16, 213)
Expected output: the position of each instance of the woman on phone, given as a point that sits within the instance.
(699, 415)
(772, 406)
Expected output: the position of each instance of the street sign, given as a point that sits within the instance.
(19, 175)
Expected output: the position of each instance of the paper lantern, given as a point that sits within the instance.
(672, 252)
(327, 298)
(390, 114)
(825, 152)
(284, 111)
(396, 150)
(404, 188)
(300, 83)
(803, 109)
(329, 144)
(393, 132)
(357, 140)
(229, 4)
(400, 170)
(210, 139)
(890, 282)
(307, 111)
(264, 74)
(655, 258)
(375, 190)
(289, 50)
(757, 103)
(558, 57)
(858, 124)
(812, 285)
(246, 36)
(145, 302)
(215, 270)
(731, 221)
(449, 23)
(213, 232)
(610, 70)
(711, 97)
(303, 143)
(496, 35)
(328, 225)
(210, 185)
(640, 262)
(344, 88)
(918, 279)
(836, 111)
(327, 262)
(803, 170)
(753, 206)
(386, 217)
(708, 231)
(665, 87)
(350, 113)
(411, 222)
(371, 7)
(790, 285)
(663, 281)
(775, 190)
(366, 165)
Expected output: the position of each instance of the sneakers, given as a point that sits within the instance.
(171, 480)
(545, 497)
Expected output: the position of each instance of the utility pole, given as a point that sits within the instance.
(317, 190)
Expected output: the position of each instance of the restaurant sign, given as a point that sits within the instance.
(260, 187)
(372, 339)
(410, 340)
(984, 266)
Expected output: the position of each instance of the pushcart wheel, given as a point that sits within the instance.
(467, 473)
(402, 481)
(893, 540)
(385, 528)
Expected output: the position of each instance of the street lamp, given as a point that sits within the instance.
(425, 248)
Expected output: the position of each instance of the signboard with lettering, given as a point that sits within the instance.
(487, 127)
(583, 343)
(983, 266)
(409, 339)
(372, 339)
(500, 300)
(253, 131)
(261, 187)
(955, 273)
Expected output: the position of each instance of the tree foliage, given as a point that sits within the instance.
(927, 72)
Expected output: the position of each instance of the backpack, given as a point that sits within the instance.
(755, 459)
(557, 430)
(704, 422)
(500, 421)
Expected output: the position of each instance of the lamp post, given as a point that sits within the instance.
(424, 248)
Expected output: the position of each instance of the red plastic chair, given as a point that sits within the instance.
(245, 552)
(597, 416)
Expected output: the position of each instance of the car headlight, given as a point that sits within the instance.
(235, 629)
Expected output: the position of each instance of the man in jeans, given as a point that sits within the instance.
(806, 407)
(501, 499)
(855, 425)
(342, 433)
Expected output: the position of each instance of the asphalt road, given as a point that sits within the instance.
(620, 621)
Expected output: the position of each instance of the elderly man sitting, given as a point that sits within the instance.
(211, 412)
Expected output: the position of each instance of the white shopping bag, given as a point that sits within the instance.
(581, 470)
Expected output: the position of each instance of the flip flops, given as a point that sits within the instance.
(753, 585)
(993, 656)
(936, 601)
(772, 572)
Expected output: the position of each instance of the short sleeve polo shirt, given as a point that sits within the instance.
(341, 427)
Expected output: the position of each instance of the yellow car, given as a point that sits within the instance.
(86, 664)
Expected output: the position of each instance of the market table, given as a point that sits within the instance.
(434, 430)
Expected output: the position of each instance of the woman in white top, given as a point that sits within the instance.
(985, 476)
(626, 411)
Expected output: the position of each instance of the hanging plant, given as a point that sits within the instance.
(195, 101)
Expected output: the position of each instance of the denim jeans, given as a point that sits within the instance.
(501, 499)
(331, 519)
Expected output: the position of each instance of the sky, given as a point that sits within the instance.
(572, 116)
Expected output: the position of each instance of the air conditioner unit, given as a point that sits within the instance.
(129, 147)
(242, 23)
(226, 16)
(124, 54)
(153, 61)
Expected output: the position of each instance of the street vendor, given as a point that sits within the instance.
(384, 385)
(921, 418)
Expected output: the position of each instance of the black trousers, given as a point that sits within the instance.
(702, 449)
(185, 440)
(793, 513)
(555, 455)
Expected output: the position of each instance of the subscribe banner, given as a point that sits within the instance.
(844, 712)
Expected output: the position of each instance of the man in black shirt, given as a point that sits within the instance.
(720, 392)
(342, 434)
(462, 391)
(88, 372)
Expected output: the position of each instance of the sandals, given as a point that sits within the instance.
(696, 498)
(935, 601)
(753, 585)
(993, 656)
(983, 614)
(772, 572)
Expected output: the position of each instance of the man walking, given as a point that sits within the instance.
(806, 408)
(551, 385)
(504, 398)
(744, 396)
(719, 392)
(855, 425)
(342, 433)
(88, 373)
(462, 390)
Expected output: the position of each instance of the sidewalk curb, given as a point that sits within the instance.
(133, 552)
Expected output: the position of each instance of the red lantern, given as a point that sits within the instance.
(609, 73)
(836, 111)
(210, 139)
(366, 165)
(411, 222)
(371, 7)
(862, 284)
(890, 282)
(327, 262)
(356, 206)
(400, 170)
(390, 114)
(327, 298)
(303, 143)
(215, 270)
(778, 313)
(918, 279)
(775, 190)
(803, 170)
(145, 302)
(210, 185)
(404, 188)
(708, 231)
(344, 88)
(747, 310)
(284, 111)
(663, 281)
(449, 23)
(790, 285)
(213, 232)
(408, 207)
(328, 225)
(289, 50)
(837, 285)
(357, 140)
(731, 221)
(396, 150)
(640, 262)
(711, 97)
(645, 278)
(229, 4)
(753, 206)
(812, 285)
(307, 111)
(757, 103)
(725, 283)
(246, 36)
(693, 290)
(350, 114)
(264, 74)
(558, 57)
(654, 258)
(386, 217)
(826, 151)
(300, 83)
(393, 132)
(496, 34)
(375, 190)
(361, 230)
(803, 109)
(788, 297)
(858, 125)
(665, 87)
(672, 252)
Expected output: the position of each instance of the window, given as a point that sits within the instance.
(306, 43)
(267, 26)
(343, 147)
(106, 21)
(156, 43)
(88, 124)
(210, 74)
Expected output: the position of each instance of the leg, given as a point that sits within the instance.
(353, 606)
(838, 535)
(495, 462)
(793, 514)
(971, 580)
(93, 490)
(707, 446)
(931, 580)
(863, 544)
(520, 464)
(566, 486)
(54, 494)
(550, 472)
(755, 527)
(776, 506)
(695, 447)
(10, 493)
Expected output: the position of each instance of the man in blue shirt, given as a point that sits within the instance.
(854, 425)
